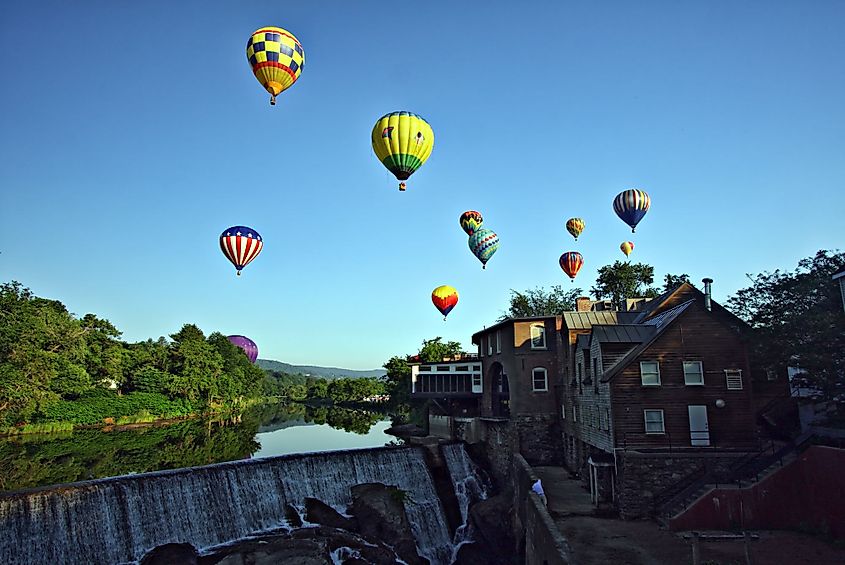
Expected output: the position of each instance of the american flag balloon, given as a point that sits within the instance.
(241, 245)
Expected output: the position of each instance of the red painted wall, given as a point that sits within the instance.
(809, 492)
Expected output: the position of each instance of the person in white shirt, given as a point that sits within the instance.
(538, 488)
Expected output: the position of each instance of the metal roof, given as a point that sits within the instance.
(586, 320)
(622, 333)
(582, 342)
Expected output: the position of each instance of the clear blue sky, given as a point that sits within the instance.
(133, 133)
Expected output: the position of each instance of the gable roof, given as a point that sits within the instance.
(659, 323)
(507, 321)
(582, 342)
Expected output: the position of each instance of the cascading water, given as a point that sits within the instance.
(469, 488)
(117, 520)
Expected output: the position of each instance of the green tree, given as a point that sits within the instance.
(624, 280)
(434, 350)
(318, 388)
(398, 380)
(104, 353)
(671, 282)
(541, 302)
(197, 365)
(797, 316)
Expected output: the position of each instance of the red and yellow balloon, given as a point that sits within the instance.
(571, 263)
(627, 247)
(444, 298)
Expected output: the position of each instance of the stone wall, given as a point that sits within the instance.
(643, 476)
(500, 443)
(539, 438)
(541, 539)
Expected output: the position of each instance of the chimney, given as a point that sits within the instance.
(707, 282)
(583, 303)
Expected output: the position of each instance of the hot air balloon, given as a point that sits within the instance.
(444, 298)
(276, 58)
(246, 344)
(571, 262)
(631, 205)
(627, 247)
(402, 141)
(471, 221)
(241, 245)
(483, 244)
(575, 226)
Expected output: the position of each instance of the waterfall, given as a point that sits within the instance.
(117, 520)
(469, 488)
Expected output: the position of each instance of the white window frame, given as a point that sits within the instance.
(563, 411)
(477, 377)
(662, 421)
(733, 377)
(643, 373)
(701, 372)
(498, 341)
(534, 379)
(489, 345)
(542, 334)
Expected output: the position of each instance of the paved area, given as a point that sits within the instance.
(565, 496)
(601, 540)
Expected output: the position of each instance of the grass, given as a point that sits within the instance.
(41, 428)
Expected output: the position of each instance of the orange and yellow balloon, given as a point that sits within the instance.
(627, 247)
(444, 298)
(571, 263)
(276, 58)
(575, 226)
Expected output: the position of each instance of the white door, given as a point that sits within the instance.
(699, 430)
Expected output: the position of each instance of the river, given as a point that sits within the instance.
(28, 461)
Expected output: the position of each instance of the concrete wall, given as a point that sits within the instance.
(643, 476)
(808, 493)
(544, 544)
(440, 426)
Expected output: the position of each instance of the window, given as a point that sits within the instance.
(654, 422)
(733, 377)
(462, 368)
(563, 411)
(481, 347)
(443, 368)
(425, 368)
(476, 380)
(650, 373)
(489, 345)
(538, 336)
(476, 367)
(595, 374)
(498, 341)
(575, 413)
(771, 375)
(540, 379)
(693, 373)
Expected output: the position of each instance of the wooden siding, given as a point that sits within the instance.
(697, 335)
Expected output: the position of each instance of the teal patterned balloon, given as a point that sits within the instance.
(483, 244)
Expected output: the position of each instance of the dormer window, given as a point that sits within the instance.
(538, 336)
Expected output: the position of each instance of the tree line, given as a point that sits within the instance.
(300, 388)
(49, 356)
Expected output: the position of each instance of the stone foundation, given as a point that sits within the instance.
(539, 439)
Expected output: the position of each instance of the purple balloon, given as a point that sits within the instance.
(247, 345)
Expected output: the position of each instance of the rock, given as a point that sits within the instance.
(171, 554)
(380, 512)
(292, 516)
(318, 512)
(491, 520)
(477, 554)
(303, 546)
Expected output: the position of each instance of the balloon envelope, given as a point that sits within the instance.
(627, 247)
(241, 245)
(483, 244)
(402, 141)
(571, 263)
(575, 226)
(631, 205)
(276, 58)
(471, 221)
(444, 299)
(246, 344)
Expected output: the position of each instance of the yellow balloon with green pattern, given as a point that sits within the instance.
(276, 58)
(402, 141)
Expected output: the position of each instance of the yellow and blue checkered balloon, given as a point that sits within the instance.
(276, 58)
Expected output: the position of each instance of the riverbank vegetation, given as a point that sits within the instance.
(57, 367)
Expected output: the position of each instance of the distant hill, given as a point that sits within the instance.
(325, 372)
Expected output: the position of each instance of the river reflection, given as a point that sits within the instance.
(44, 459)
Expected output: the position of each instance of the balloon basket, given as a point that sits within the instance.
(401, 187)
(239, 273)
(272, 101)
(483, 267)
